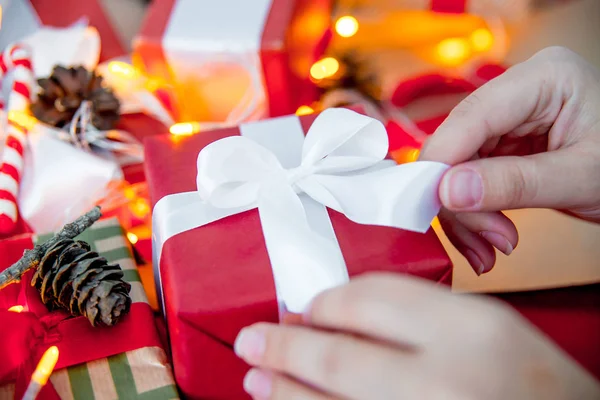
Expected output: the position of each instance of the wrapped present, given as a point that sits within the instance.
(329, 208)
(124, 361)
(231, 61)
(21, 18)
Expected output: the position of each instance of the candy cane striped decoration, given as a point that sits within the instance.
(15, 59)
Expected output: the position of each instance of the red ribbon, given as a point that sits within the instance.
(25, 336)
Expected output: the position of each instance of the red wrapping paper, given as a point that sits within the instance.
(295, 35)
(25, 336)
(217, 279)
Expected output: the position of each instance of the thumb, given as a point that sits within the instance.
(559, 179)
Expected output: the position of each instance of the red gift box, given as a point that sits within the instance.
(181, 40)
(216, 279)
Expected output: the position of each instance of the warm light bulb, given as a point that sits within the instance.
(16, 309)
(140, 208)
(346, 26)
(304, 110)
(45, 366)
(482, 39)
(405, 155)
(185, 128)
(453, 51)
(324, 68)
(132, 237)
(122, 68)
(22, 119)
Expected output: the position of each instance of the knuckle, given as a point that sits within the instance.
(279, 350)
(519, 185)
(466, 106)
(332, 361)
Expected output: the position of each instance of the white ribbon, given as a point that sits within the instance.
(341, 167)
(203, 36)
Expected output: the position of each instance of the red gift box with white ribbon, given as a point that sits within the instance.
(216, 278)
(232, 61)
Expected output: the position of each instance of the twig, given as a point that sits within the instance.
(31, 258)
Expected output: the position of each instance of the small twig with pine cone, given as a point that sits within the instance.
(71, 276)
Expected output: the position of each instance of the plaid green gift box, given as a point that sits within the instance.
(139, 374)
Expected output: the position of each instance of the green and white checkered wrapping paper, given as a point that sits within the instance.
(140, 374)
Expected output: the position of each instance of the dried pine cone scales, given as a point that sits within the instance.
(73, 277)
(62, 93)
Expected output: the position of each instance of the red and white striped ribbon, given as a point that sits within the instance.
(15, 59)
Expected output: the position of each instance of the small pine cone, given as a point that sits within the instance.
(61, 94)
(73, 277)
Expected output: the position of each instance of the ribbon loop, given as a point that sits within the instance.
(342, 141)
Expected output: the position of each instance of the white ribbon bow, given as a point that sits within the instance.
(342, 168)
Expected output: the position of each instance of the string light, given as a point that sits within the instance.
(123, 69)
(346, 26)
(481, 39)
(453, 51)
(16, 309)
(42, 373)
(132, 237)
(324, 68)
(405, 155)
(140, 208)
(304, 110)
(22, 119)
(185, 128)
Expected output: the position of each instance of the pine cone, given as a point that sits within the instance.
(73, 277)
(62, 93)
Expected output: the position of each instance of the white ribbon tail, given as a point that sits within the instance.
(304, 252)
(404, 196)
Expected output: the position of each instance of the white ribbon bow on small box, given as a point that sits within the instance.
(342, 167)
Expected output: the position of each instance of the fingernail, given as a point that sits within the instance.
(258, 384)
(462, 189)
(475, 261)
(498, 241)
(250, 345)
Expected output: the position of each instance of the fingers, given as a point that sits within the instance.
(494, 227)
(548, 180)
(330, 362)
(263, 385)
(397, 309)
(477, 250)
(517, 97)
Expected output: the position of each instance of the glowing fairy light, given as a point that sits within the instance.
(304, 110)
(346, 26)
(42, 373)
(481, 39)
(185, 128)
(132, 237)
(453, 51)
(324, 68)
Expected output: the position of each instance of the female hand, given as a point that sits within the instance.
(527, 139)
(392, 337)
